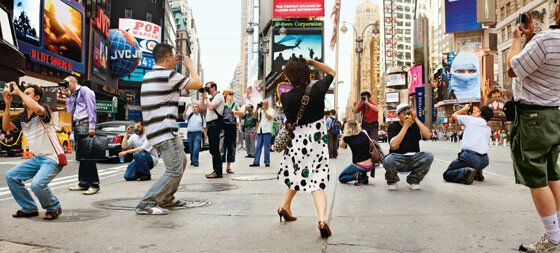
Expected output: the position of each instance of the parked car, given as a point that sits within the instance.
(114, 130)
(63, 139)
(382, 136)
(183, 134)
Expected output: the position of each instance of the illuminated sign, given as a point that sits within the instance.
(102, 22)
(298, 8)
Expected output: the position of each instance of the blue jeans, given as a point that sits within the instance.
(263, 140)
(455, 171)
(350, 173)
(164, 188)
(418, 165)
(194, 145)
(42, 170)
(140, 166)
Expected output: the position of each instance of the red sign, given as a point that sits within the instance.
(51, 60)
(299, 8)
(102, 22)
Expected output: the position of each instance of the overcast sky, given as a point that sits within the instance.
(218, 27)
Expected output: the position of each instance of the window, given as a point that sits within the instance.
(127, 13)
(508, 9)
(503, 13)
(148, 17)
(508, 31)
(503, 34)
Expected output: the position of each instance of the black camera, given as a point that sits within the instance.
(470, 110)
(63, 84)
(259, 105)
(522, 20)
(204, 89)
(363, 99)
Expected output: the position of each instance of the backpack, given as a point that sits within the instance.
(229, 116)
(335, 127)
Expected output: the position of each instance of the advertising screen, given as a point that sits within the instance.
(100, 54)
(307, 43)
(148, 36)
(392, 97)
(27, 21)
(397, 79)
(415, 79)
(298, 8)
(63, 29)
(51, 32)
(460, 15)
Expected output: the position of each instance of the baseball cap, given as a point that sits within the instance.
(402, 107)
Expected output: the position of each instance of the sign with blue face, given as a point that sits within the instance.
(420, 103)
(146, 62)
(460, 15)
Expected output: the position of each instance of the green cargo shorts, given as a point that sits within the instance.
(535, 144)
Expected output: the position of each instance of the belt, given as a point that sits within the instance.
(472, 152)
(536, 107)
(81, 121)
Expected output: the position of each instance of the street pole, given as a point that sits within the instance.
(427, 84)
(336, 76)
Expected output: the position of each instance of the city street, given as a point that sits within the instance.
(493, 216)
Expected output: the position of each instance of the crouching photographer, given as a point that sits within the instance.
(358, 141)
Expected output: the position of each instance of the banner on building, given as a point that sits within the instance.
(460, 15)
(420, 103)
(148, 36)
(298, 8)
(415, 79)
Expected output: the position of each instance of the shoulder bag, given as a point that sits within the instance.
(376, 153)
(62, 161)
(284, 137)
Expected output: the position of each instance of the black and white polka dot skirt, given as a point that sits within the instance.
(305, 162)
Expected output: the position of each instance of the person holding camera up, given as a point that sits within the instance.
(370, 114)
(81, 104)
(36, 123)
(404, 156)
(265, 121)
(214, 107)
(474, 148)
(535, 132)
(159, 97)
(145, 156)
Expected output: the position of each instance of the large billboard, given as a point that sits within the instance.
(415, 79)
(298, 8)
(148, 36)
(460, 15)
(51, 32)
(100, 54)
(303, 39)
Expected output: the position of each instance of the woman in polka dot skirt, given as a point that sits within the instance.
(305, 162)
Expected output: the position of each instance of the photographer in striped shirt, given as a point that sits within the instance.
(159, 98)
(535, 132)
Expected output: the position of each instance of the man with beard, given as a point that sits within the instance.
(145, 156)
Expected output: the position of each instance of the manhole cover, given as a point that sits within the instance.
(206, 187)
(129, 204)
(74, 215)
(256, 177)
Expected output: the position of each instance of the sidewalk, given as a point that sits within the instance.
(494, 216)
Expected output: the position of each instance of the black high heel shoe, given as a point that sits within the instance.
(324, 229)
(283, 213)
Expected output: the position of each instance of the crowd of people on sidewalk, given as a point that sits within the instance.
(312, 138)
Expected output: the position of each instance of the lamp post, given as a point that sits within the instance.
(359, 48)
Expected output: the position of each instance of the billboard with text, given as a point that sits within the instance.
(298, 8)
(304, 39)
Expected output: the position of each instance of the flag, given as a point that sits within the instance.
(335, 16)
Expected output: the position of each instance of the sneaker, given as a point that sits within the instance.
(415, 186)
(152, 211)
(174, 203)
(542, 245)
(469, 176)
(91, 191)
(267, 165)
(145, 178)
(393, 187)
(213, 175)
(77, 188)
(254, 165)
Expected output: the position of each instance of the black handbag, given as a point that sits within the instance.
(510, 110)
(92, 148)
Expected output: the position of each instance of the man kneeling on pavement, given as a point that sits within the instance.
(35, 122)
(404, 155)
(474, 149)
(145, 156)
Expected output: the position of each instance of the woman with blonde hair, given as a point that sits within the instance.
(229, 138)
(359, 142)
(305, 162)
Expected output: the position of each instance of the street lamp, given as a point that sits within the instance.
(359, 48)
(250, 30)
(283, 31)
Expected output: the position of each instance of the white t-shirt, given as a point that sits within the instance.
(477, 134)
(219, 101)
(136, 141)
(265, 124)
